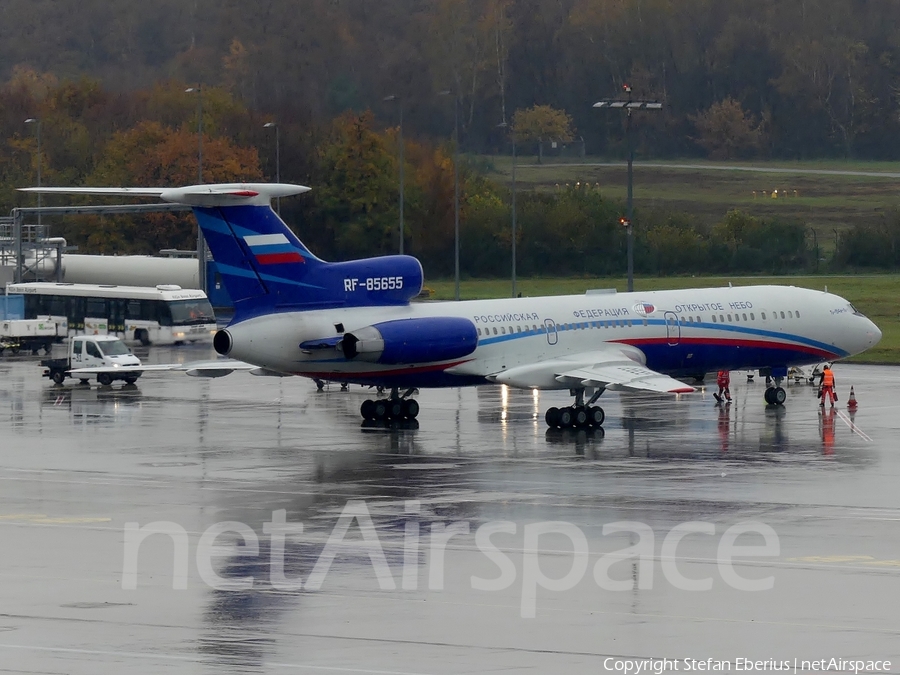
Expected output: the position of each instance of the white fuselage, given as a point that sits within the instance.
(679, 332)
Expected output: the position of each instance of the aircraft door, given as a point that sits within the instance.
(552, 335)
(673, 329)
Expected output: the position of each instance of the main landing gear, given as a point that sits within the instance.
(581, 414)
(775, 395)
(391, 409)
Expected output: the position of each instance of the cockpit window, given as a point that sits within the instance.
(854, 310)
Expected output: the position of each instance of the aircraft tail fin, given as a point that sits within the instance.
(263, 264)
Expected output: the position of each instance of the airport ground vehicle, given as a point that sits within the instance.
(164, 314)
(105, 356)
(30, 335)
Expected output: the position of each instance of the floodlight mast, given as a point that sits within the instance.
(629, 105)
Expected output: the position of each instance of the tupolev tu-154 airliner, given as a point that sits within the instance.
(354, 321)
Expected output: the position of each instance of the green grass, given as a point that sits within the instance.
(874, 295)
(825, 202)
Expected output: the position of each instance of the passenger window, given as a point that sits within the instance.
(510, 330)
(645, 322)
(495, 330)
(629, 323)
(729, 318)
(752, 318)
(721, 318)
(714, 318)
(797, 313)
(782, 315)
(763, 315)
(745, 317)
(479, 332)
(790, 314)
(518, 329)
(682, 320)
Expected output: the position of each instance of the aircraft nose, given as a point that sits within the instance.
(874, 334)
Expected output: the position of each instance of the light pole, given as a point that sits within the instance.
(37, 123)
(269, 125)
(512, 136)
(629, 105)
(201, 242)
(394, 97)
(455, 188)
(199, 91)
(816, 246)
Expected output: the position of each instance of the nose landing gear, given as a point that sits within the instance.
(581, 414)
(775, 395)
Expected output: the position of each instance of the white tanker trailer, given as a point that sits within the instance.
(121, 270)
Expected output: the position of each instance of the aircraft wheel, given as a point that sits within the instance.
(367, 409)
(551, 417)
(395, 409)
(596, 416)
(580, 418)
(566, 417)
(410, 408)
(768, 396)
(380, 409)
(779, 396)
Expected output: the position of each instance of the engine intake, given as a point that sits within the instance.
(222, 342)
(405, 341)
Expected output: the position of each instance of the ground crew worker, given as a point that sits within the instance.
(826, 385)
(723, 380)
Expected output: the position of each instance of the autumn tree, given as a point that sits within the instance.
(151, 154)
(355, 191)
(540, 123)
(726, 131)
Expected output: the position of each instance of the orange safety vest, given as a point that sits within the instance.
(827, 378)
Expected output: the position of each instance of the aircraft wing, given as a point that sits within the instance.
(623, 377)
(613, 367)
(213, 368)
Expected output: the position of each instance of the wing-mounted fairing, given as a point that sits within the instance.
(613, 367)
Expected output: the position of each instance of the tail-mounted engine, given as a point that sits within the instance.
(406, 341)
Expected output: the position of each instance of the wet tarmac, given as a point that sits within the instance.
(454, 575)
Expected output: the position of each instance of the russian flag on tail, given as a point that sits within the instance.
(272, 249)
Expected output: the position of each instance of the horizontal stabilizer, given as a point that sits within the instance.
(214, 194)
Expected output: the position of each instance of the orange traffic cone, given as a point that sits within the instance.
(851, 402)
